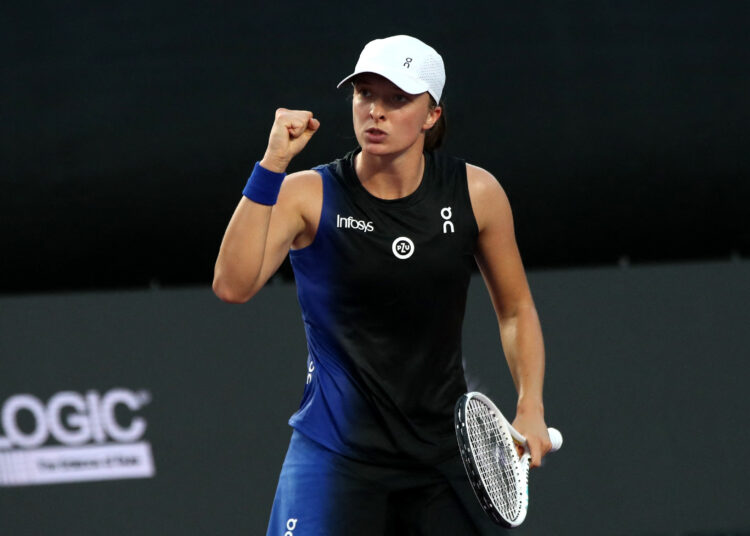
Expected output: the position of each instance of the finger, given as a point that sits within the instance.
(303, 124)
(546, 444)
(294, 127)
(536, 453)
(312, 128)
(302, 135)
(541, 446)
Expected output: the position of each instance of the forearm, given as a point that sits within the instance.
(521, 335)
(240, 258)
(242, 266)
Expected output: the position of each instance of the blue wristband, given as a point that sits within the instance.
(263, 185)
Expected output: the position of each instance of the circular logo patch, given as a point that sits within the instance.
(403, 247)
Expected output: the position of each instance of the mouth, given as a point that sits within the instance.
(375, 135)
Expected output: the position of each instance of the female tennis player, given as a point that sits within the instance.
(383, 242)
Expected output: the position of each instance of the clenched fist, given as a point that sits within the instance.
(291, 131)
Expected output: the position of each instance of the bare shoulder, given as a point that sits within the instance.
(301, 200)
(488, 198)
(306, 180)
(301, 188)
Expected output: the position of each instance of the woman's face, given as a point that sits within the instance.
(388, 120)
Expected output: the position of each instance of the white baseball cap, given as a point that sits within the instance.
(406, 61)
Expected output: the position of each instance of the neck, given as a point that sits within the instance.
(390, 176)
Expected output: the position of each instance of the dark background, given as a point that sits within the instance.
(127, 129)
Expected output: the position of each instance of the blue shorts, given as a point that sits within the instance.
(321, 493)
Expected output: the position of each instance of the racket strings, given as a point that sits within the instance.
(495, 458)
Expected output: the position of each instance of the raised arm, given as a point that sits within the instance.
(520, 331)
(260, 232)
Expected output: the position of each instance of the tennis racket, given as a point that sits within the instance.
(499, 477)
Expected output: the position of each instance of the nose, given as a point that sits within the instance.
(377, 111)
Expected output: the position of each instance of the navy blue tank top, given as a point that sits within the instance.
(382, 289)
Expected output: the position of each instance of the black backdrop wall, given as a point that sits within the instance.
(645, 378)
(619, 129)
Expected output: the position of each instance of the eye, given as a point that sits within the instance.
(401, 99)
(363, 91)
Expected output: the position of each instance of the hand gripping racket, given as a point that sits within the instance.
(487, 441)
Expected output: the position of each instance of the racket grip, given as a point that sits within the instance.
(556, 437)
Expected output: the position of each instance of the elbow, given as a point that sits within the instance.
(512, 312)
(229, 294)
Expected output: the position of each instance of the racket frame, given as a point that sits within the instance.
(520, 464)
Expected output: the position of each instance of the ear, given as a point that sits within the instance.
(433, 115)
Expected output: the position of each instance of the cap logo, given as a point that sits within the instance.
(407, 62)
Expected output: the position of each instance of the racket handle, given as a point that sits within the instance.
(556, 437)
